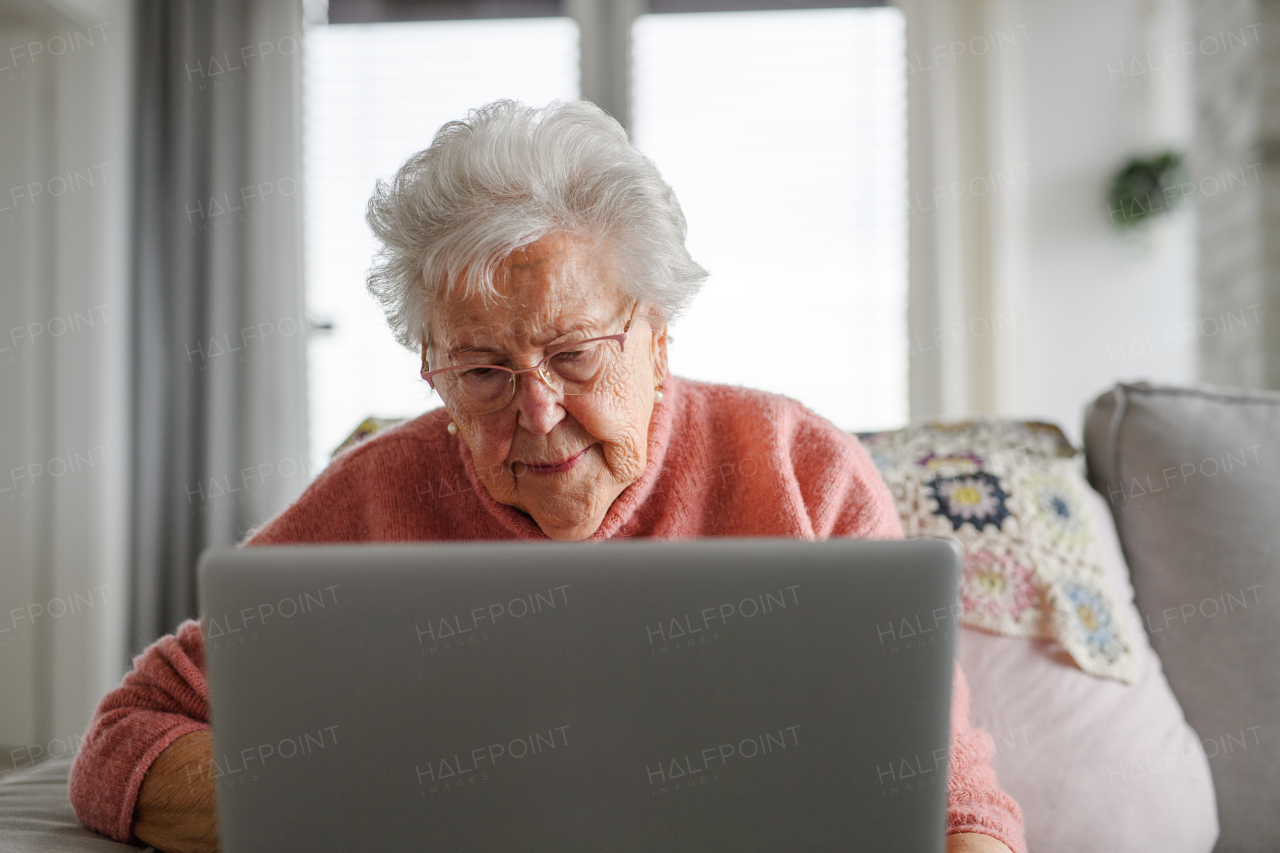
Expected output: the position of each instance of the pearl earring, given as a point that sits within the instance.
(453, 428)
(657, 395)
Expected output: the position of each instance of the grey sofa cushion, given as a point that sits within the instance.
(36, 816)
(1192, 476)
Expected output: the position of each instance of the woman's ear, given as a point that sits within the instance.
(423, 346)
(660, 340)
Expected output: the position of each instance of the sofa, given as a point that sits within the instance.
(1192, 478)
(1122, 639)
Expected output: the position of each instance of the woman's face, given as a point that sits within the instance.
(561, 459)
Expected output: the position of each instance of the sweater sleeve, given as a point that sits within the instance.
(164, 697)
(975, 802)
(843, 493)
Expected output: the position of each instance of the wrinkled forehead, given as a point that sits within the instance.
(552, 288)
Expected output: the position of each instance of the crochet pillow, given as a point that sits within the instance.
(1012, 493)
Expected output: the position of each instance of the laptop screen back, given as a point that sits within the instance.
(715, 695)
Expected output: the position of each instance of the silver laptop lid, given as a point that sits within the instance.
(719, 695)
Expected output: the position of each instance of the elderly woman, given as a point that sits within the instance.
(534, 259)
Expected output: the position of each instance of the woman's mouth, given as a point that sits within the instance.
(561, 466)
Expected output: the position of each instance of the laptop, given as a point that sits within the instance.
(714, 695)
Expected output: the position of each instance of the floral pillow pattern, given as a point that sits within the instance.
(1011, 493)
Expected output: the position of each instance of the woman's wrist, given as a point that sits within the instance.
(176, 810)
(973, 842)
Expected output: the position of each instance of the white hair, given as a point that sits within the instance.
(506, 176)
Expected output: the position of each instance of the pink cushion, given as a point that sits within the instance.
(1094, 763)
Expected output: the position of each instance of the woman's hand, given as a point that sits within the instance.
(972, 842)
(176, 810)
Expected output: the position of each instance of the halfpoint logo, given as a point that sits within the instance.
(452, 632)
(912, 773)
(674, 633)
(449, 773)
(680, 773)
(913, 632)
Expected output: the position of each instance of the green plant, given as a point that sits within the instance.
(1144, 188)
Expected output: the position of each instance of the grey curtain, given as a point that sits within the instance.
(219, 426)
(1235, 139)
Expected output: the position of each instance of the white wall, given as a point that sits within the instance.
(1024, 300)
(65, 169)
(1101, 307)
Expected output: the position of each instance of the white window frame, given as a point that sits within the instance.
(967, 266)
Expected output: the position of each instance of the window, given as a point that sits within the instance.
(783, 134)
(374, 95)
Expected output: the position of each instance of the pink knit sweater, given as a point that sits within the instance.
(722, 462)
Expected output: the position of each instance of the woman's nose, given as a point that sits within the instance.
(538, 402)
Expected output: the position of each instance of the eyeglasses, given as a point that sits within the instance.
(573, 369)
